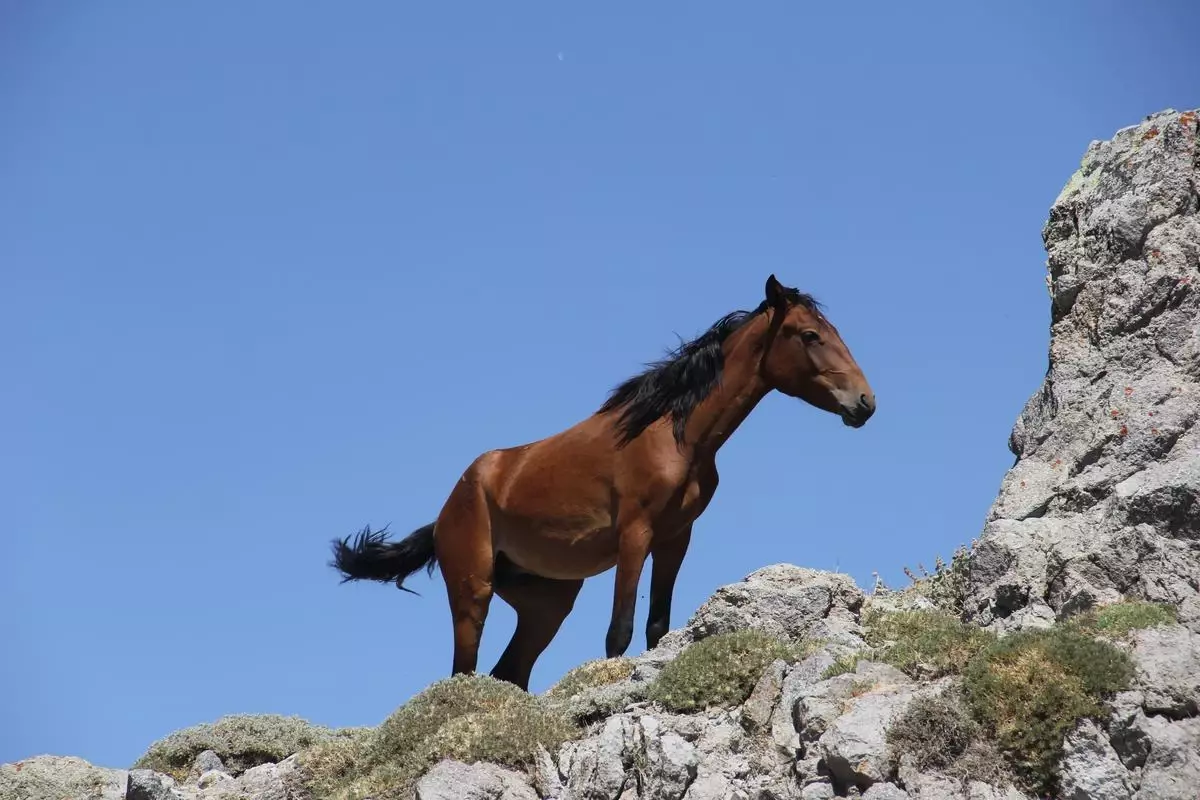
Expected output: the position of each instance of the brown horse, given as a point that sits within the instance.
(530, 523)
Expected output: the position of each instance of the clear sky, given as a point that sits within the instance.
(273, 271)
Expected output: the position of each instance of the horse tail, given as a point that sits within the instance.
(373, 557)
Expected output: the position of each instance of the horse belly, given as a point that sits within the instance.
(564, 556)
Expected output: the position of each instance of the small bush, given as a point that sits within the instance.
(935, 731)
(1118, 620)
(844, 665)
(947, 586)
(923, 644)
(720, 670)
(241, 740)
(1030, 688)
(466, 717)
(590, 675)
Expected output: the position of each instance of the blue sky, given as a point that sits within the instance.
(270, 272)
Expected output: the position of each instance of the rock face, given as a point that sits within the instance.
(1104, 498)
(1102, 504)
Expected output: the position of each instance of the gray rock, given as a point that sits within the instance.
(1103, 501)
(759, 707)
(546, 778)
(1091, 769)
(783, 600)
(453, 780)
(854, 746)
(206, 761)
(61, 778)
(885, 791)
(1168, 664)
(821, 704)
(818, 791)
(1172, 769)
(595, 767)
(670, 761)
(146, 784)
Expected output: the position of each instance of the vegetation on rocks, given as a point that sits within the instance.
(1118, 620)
(591, 675)
(923, 644)
(467, 717)
(946, 587)
(241, 740)
(1030, 688)
(720, 670)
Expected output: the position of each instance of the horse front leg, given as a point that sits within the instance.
(668, 556)
(634, 546)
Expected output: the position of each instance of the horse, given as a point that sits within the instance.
(531, 522)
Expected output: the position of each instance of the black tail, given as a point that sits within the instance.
(372, 557)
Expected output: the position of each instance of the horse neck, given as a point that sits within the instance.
(718, 416)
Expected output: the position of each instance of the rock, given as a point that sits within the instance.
(546, 779)
(266, 781)
(818, 791)
(670, 761)
(854, 746)
(1172, 768)
(61, 778)
(595, 767)
(206, 761)
(1168, 665)
(821, 704)
(783, 600)
(453, 780)
(758, 708)
(1091, 769)
(885, 791)
(146, 784)
(1103, 501)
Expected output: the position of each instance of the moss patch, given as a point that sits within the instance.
(241, 740)
(720, 670)
(467, 717)
(1030, 688)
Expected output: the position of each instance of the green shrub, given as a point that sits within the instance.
(1031, 688)
(241, 740)
(844, 665)
(1118, 620)
(720, 670)
(590, 675)
(923, 644)
(466, 717)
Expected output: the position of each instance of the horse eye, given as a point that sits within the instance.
(810, 337)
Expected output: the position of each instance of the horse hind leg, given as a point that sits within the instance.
(541, 605)
(463, 542)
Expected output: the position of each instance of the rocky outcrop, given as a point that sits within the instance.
(1103, 501)
(1102, 504)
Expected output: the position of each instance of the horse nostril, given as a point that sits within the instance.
(864, 401)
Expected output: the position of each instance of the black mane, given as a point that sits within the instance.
(680, 381)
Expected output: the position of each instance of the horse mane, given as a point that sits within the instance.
(679, 382)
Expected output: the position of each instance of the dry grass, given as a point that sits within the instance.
(590, 675)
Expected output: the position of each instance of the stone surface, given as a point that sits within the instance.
(1102, 502)
(452, 780)
(760, 706)
(783, 600)
(145, 784)
(885, 791)
(1091, 769)
(1168, 665)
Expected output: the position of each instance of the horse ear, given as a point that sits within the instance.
(776, 294)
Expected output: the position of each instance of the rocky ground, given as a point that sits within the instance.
(1059, 656)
